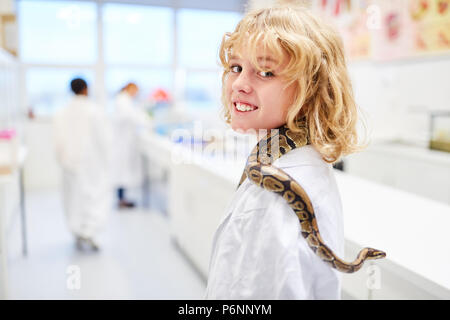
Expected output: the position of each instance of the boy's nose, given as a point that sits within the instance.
(242, 83)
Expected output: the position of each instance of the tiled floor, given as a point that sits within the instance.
(137, 259)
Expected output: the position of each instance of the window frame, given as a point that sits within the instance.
(99, 67)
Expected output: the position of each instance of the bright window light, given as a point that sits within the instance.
(136, 34)
(57, 32)
(49, 88)
(199, 35)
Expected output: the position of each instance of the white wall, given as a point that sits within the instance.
(398, 95)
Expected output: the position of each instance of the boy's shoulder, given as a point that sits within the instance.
(304, 156)
(305, 165)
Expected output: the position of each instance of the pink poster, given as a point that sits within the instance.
(432, 21)
(390, 29)
(395, 37)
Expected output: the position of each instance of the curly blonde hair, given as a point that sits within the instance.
(316, 65)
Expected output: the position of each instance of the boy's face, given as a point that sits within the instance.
(258, 100)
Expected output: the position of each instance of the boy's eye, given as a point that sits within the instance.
(266, 74)
(236, 69)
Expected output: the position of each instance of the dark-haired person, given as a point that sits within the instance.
(83, 137)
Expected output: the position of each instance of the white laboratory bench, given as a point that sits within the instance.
(411, 168)
(11, 203)
(413, 230)
(410, 228)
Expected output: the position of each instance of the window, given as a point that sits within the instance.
(49, 88)
(138, 47)
(199, 35)
(202, 91)
(147, 80)
(138, 34)
(57, 32)
(198, 48)
(60, 40)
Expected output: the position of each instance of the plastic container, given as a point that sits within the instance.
(8, 151)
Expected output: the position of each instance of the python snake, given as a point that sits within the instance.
(260, 171)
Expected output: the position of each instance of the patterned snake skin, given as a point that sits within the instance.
(260, 171)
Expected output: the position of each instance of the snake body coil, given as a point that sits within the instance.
(260, 171)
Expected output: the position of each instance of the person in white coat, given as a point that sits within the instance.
(83, 137)
(282, 64)
(259, 252)
(129, 119)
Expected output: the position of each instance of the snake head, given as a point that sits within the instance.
(374, 254)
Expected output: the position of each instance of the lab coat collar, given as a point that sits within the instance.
(80, 97)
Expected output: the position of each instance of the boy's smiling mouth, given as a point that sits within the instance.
(242, 107)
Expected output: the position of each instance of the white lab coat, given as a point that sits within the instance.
(258, 250)
(82, 135)
(128, 120)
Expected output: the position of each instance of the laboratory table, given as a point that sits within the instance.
(413, 230)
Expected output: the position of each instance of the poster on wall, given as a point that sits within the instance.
(388, 30)
(395, 37)
(432, 25)
(353, 20)
(354, 28)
